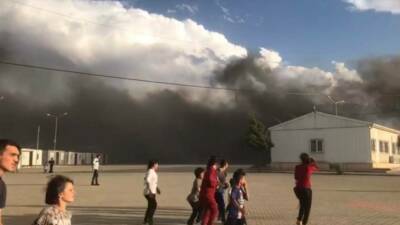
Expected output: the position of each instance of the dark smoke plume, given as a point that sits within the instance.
(167, 126)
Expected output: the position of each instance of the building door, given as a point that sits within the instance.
(76, 159)
(57, 158)
(30, 158)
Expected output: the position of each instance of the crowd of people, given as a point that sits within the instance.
(206, 198)
(207, 195)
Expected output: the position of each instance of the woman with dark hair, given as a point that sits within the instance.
(207, 193)
(150, 191)
(59, 193)
(302, 175)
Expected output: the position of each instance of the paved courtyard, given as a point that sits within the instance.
(338, 200)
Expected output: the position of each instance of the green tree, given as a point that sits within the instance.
(259, 138)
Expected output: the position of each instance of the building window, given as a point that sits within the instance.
(386, 144)
(316, 145)
(373, 146)
(398, 148)
(381, 146)
(393, 148)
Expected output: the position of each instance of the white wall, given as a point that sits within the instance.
(387, 136)
(36, 157)
(65, 158)
(51, 154)
(62, 160)
(344, 145)
(88, 158)
(70, 158)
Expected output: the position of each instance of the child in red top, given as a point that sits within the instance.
(207, 193)
(302, 175)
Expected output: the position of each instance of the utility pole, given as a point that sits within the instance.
(37, 137)
(336, 103)
(56, 127)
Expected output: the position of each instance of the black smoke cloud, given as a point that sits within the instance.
(165, 124)
(375, 99)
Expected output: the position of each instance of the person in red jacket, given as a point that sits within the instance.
(302, 175)
(207, 193)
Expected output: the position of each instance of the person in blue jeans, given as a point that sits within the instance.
(222, 186)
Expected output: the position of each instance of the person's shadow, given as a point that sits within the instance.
(111, 215)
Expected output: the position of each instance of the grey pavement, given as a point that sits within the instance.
(337, 200)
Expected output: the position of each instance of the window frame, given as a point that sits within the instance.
(319, 143)
(373, 145)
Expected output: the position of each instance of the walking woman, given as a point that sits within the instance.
(302, 175)
(59, 193)
(207, 193)
(150, 191)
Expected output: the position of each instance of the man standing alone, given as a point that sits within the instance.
(51, 163)
(9, 157)
(96, 165)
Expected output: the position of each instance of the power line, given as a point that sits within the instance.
(116, 77)
(110, 76)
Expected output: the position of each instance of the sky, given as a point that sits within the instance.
(304, 32)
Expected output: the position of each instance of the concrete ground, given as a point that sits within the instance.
(337, 200)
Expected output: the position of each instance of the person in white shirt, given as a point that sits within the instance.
(150, 191)
(96, 165)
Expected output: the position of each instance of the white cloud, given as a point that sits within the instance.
(303, 77)
(226, 15)
(344, 73)
(228, 18)
(268, 59)
(289, 76)
(106, 37)
(192, 9)
(392, 6)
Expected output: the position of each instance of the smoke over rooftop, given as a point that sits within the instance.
(136, 121)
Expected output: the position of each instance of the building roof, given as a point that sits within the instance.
(338, 121)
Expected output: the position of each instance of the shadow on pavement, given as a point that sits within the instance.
(112, 215)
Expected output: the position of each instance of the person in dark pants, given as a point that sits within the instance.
(302, 190)
(222, 186)
(51, 163)
(96, 165)
(150, 191)
(151, 209)
(193, 197)
(9, 158)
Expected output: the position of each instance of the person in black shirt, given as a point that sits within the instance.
(3, 193)
(51, 163)
(9, 157)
